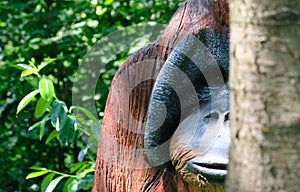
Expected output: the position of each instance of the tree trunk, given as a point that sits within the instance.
(265, 96)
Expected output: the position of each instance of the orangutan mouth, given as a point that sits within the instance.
(211, 172)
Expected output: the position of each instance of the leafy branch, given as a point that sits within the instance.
(63, 120)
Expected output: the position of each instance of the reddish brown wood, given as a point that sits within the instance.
(121, 139)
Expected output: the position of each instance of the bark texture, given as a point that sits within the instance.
(121, 164)
(265, 96)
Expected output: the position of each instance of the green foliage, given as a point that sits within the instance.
(25, 101)
(63, 124)
(46, 88)
(41, 45)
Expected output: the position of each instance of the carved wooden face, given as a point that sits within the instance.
(199, 147)
(188, 114)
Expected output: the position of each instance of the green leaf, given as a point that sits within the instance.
(26, 73)
(37, 168)
(32, 63)
(108, 2)
(67, 184)
(67, 131)
(43, 123)
(42, 131)
(36, 125)
(83, 174)
(59, 108)
(45, 63)
(63, 123)
(28, 70)
(81, 183)
(36, 174)
(53, 183)
(52, 135)
(26, 67)
(46, 181)
(46, 88)
(41, 107)
(76, 166)
(87, 113)
(24, 102)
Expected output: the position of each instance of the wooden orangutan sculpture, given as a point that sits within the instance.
(165, 127)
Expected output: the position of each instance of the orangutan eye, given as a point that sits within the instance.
(213, 115)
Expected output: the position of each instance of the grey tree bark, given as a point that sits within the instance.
(265, 96)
